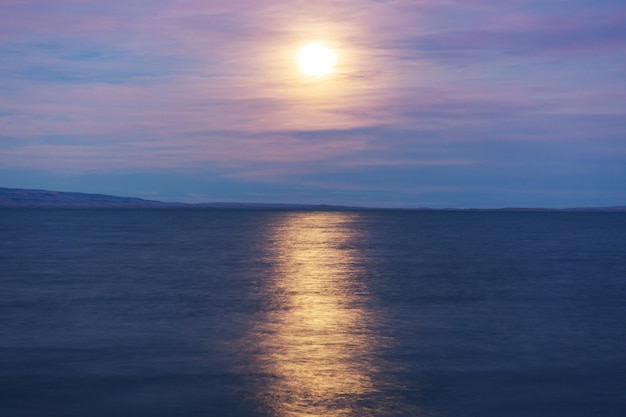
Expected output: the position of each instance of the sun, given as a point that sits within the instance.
(316, 60)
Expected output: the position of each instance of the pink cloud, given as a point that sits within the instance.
(215, 83)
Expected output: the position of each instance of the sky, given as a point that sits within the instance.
(433, 103)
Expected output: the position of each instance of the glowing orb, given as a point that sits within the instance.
(316, 60)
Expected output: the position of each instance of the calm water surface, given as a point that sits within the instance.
(285, 314)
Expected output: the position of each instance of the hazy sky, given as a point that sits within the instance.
(439, 103)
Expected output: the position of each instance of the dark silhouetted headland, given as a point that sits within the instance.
(25, 198)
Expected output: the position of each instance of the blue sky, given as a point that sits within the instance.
(431, 103)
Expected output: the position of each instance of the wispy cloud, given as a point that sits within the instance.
(419, 89)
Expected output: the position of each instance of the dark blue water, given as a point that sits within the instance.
(272, 313)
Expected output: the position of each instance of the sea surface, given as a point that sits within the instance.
(150, 313)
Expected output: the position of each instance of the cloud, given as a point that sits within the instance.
(533, 38)
(421, 87)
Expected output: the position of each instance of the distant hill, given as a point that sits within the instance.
(18, 198)
(13, 197)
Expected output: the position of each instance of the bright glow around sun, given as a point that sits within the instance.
(316, 60)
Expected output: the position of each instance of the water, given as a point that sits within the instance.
(275, 313)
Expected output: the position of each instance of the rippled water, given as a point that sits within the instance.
(279, 313)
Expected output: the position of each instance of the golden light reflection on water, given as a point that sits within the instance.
(315, 342)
